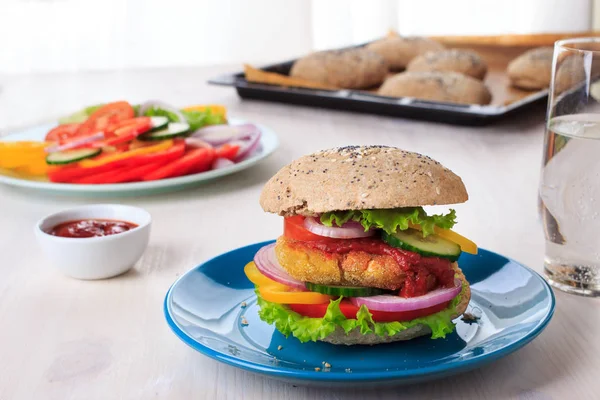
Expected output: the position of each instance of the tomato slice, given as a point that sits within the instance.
(293, 228)
(349, 310)
(106, 117)
(63, 133)
(127, 130)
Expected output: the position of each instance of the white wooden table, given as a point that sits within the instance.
(66, 339)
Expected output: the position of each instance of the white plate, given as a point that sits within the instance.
(268, 144)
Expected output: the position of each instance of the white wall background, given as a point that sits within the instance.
(72, 35)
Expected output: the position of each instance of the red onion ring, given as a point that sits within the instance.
(350, 230)
(221, 134)
(267, 263)
(197, 143)
(391, 303)
(159, 104)
(248, 146)
(222, 163)
(75, 143)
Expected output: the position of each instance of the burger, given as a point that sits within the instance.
(360, 261)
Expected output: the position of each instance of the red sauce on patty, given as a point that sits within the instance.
(423, 274)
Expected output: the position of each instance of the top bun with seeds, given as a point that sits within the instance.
(359, 178)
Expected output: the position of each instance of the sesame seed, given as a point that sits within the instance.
(327, 365)
(243, 305)
(437, 190)
(279, 347)
(317, 369)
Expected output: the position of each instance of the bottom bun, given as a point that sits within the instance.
(354, 337)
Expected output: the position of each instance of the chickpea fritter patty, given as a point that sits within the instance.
(356, 268)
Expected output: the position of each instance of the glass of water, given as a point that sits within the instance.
(570, 178)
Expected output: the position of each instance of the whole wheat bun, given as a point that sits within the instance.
(532, 70)
(398, 51)
(466, 62)
(360, 177)
(443, 86)
(356, 68)
(354, 337)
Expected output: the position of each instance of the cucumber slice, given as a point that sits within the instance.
(346, 291)
(430, 246)
(159, 123)
(71, 156)
(173, 130)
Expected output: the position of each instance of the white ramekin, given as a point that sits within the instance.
(96, 257)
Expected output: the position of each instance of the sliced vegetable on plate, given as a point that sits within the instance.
(119, 142)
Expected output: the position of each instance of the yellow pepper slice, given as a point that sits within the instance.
(17, 161)
(292, 296)
(465, 244)
(276, 292)
(164, 145)
(37, 168)
(256, 277)
(23, 146)
(25, 157)
(214, 109)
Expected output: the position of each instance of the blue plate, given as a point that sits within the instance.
(513, 305)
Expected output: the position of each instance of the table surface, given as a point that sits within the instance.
(68, 339)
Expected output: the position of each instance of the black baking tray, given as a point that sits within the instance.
(365, 102)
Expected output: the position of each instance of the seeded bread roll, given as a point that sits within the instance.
(466, 62)
(355, 337)
(360, 177)
(448, 87)
(356, 68)
(398, 51)
(532, 70)
(571, 72)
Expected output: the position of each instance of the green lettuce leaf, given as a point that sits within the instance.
(160, 112)
(311, 329)
(198, 119)
(391, 220)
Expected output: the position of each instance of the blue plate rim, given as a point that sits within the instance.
(372, 376)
